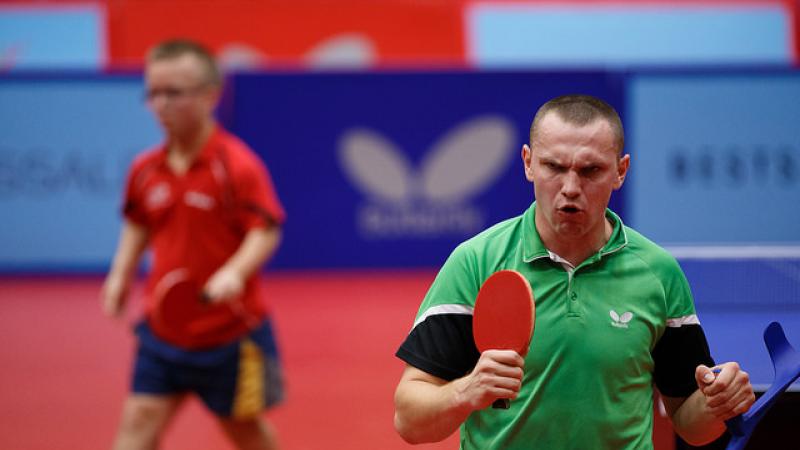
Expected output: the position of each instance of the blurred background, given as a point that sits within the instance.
(392, 129)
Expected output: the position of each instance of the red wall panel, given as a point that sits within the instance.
(397, 32)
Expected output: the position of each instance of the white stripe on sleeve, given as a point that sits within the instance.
(681, 321)
(443, 309)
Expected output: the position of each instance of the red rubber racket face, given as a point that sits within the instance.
(178, 301)
(504, 313)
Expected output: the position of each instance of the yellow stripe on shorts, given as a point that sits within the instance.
(249, 399)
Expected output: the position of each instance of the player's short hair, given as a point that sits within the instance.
(175, 48)
(581, 110)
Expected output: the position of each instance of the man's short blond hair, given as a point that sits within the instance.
(175, 48)
(581, 110)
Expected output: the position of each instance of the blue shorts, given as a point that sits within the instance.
(237, 380)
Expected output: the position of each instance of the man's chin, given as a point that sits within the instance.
(172, 130)
(571, 229)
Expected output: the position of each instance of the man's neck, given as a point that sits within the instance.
(183, 150)
(578, 250)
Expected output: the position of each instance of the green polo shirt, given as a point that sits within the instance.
(589, 374)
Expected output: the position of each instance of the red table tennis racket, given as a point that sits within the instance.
(183, 306)
(504, 316)
(178, 296)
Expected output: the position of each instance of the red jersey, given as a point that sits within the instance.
(196, 221)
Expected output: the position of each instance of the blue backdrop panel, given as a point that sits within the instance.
(64, 151)
(395, 169)
(33, 37)
(717, 157)
(505, 34)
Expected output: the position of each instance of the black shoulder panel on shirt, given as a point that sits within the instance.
(676, 355)
(441, 345)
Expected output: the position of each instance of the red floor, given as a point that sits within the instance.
(65, 366)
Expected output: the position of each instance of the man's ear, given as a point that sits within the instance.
(622, 170)
(527, 158)
(213, 95)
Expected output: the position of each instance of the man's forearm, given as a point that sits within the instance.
(426, 412)
(256, 249)
(694, 423)
(428, 408)
(132, 243)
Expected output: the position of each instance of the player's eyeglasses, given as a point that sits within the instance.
(172, 93)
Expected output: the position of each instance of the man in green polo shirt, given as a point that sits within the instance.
(614, 317)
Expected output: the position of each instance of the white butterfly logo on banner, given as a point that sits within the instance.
(340, 51)
(431, 199)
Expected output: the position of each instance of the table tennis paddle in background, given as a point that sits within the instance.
(182, 305)
(504, 316)
(178, 296)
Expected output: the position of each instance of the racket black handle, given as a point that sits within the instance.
(501, 403)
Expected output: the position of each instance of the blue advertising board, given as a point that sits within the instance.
(395, 169)
(376, 170)
(716, 157)
(64, 151)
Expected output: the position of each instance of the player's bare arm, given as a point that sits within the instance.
(429, 409)
(699, 418)
(132, 243)
(256, 249)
